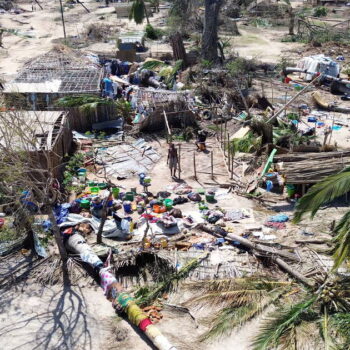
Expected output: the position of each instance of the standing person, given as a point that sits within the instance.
(201, 138)
(108, 87)
(172, 160)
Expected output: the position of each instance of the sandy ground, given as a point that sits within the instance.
(36, 317)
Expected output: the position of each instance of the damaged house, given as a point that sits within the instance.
(55, 74)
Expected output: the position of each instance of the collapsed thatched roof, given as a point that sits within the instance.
(60, 70)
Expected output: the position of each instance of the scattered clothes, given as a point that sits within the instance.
(180, 200)
(163, 194)
(234, 215)
(107, 278)
(275, 225)
(194, 196)
(176, 213)
(264, 237)
(61, 212)
(278, 218)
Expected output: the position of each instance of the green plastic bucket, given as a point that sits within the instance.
(210, 197)
(168, 203)
(85, 204)
(115, 192)
(102, 186)
(94, 190)
(129, 196)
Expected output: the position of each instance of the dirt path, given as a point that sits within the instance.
(263, 44)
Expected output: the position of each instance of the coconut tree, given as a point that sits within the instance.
(325, 191)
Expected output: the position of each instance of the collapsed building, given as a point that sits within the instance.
(55, 74)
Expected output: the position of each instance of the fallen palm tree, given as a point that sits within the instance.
(115, 293)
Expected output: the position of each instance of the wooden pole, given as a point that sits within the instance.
(194, 165)
(179, 159)
(167, 125)
(221, 138)
(293, 99)
(63, 23)
(212, 164)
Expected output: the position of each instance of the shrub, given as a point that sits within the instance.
(153, 33)
(320, 11)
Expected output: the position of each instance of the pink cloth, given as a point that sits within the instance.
(107, 278)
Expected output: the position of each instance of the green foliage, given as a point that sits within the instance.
(323, 192)
(247, 144)
(240, 66)
(74, 163)
(206, 63)
(261, 23)
(280, 324)
(342, 241)
(146, 295)
(8, 234)
(341, 323)
(153, 64)
(153, 33)
(243, 299)
(123, 108)
(320, 11)
(84, 102)
(137, 11)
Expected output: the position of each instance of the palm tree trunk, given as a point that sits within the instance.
(291, 21)
(146, 13)
(210, 32)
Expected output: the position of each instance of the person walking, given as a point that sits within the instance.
(172, 160)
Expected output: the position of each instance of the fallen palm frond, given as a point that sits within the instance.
(241, 311)
(146, 295)
(234, 292)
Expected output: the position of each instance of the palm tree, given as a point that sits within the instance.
(325, 191)
(300, 312)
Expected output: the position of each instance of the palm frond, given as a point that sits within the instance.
(224, 285)
(236, 298)
(280, 324)
(231, 317)
(146, 295)
(340, 323)
(342, 241)
(325, 191)
(153, 64)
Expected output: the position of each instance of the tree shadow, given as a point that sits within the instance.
(63, 325)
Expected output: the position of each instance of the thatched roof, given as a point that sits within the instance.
(60, 70)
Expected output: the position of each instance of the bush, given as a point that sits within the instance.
(240, 66)
(320, 11)
(153, 33)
